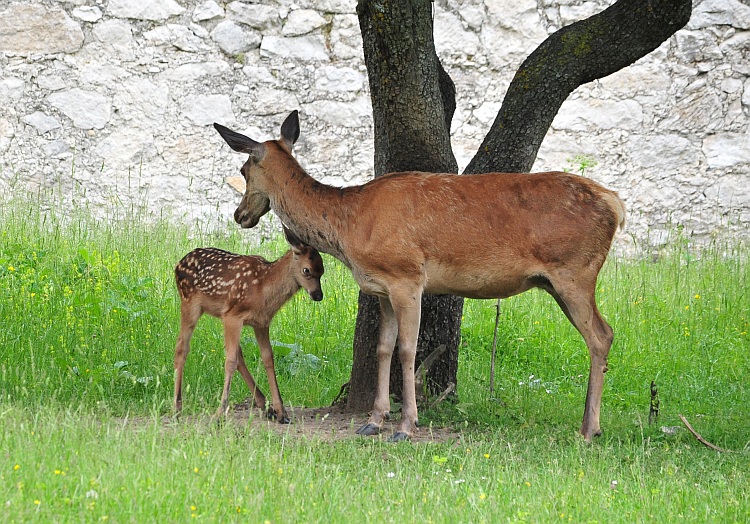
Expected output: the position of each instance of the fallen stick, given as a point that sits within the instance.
(420, 375)
(450, 389)
(700, 438)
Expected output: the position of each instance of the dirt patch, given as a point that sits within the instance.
(330, 424)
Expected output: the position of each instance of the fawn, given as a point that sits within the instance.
(242, 290)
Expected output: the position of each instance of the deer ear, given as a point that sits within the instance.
(240, 142)
(290, 129)
(293, 241)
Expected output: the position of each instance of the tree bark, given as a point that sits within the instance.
(413, 102)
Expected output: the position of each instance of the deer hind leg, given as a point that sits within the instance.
(386, 344)
(259, 399)
(232, 332)
(579, 306)
(277, 409)
(189, 316)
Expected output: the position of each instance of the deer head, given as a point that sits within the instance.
(262, 159)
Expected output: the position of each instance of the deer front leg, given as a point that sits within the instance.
(386, 344)
(408, 310)
(232, 332)
(276, 410)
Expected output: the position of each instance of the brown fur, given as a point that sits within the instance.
(242, 291)
(481, 236)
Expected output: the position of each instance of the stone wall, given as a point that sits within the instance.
(110, 103)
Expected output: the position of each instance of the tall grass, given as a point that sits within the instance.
(89, 317)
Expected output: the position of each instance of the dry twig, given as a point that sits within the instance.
(700, 438)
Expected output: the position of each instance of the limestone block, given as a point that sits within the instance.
(330, 6)
(302, 21)
(196, 70)
(233, 39)
(451, 39)
(696, 46)
(725, 150)
(7, 132)
(646, 76)
(711, 13)
(126, 147)
(259, 74)
(12, 88)
(663, 152)
(592, 114)
(345, 114)
(87, 13)
(87, 109)
(729, 192)
(183, 38)
(574, 13)
(272, 101)
(27, 29)
(101, 74)
(333, 78)
(117, 36)
(258, 16)
(141, 101)
(154, 10)
(699, 110)
(42, 122)
(204, 110)
(346, 40)
(57, 149)
(310, 48)
(207, 11)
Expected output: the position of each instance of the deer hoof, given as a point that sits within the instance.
(398, 437)
(369, 429)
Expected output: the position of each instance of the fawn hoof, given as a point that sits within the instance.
(272, 415)
(369, 429)
(399, 436)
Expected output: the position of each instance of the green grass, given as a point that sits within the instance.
(89, 317)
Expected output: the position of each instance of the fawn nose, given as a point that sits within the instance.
(316, 295)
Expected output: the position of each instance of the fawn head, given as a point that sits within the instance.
(307, 266)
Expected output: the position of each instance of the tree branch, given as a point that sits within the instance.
(574, 55)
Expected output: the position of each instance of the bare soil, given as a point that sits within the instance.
(330, 424)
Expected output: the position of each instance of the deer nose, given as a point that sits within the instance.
(316, 295)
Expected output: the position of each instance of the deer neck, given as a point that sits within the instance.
(318, 214)
(281, 283)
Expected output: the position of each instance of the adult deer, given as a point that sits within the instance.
(242, 290)
(480, 236)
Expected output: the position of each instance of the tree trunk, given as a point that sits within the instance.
(413, 101)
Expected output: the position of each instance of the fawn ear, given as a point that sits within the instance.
(295, 242)
(290, 130)
(240, 142)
